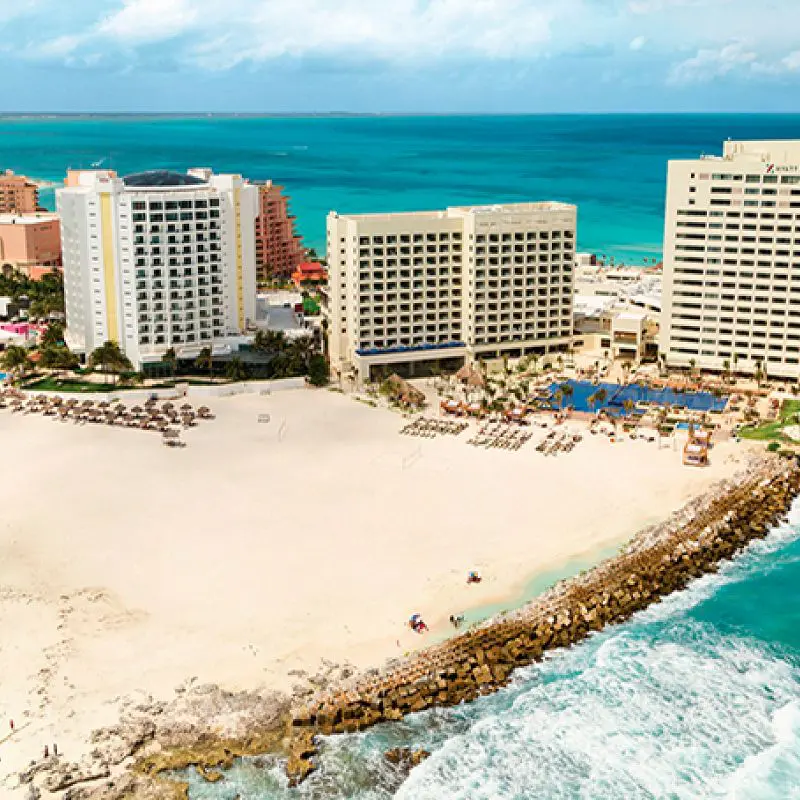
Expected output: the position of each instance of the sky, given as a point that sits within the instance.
(399, 56)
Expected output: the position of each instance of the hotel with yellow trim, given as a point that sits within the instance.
(158, 260)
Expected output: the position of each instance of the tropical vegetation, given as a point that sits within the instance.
(16, 359)
(110, 359)
(46, 295)
(789, 414)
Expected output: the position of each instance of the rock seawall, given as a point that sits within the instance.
(659, 561)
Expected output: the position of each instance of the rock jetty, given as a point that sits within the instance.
(659, 561)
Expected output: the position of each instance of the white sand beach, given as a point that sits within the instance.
(128, 567)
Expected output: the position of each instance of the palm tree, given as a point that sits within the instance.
(758, 374)
(53, 335)
(171, 360)
(726, 370)
(236, 370)
(692, 365)
(300, 351)
(270, 341)
(16, 359)
(601, 395)
(325, 326)
(591, 400)
(566, 390)
(559, 397)
(110, 358)
(628, 405)
(58, 357)
(205, 360)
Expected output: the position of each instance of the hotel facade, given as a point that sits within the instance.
(414, 292)
(731, 289)
(279, 249)
(157, 260)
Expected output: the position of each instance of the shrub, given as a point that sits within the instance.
(773, 447)
(318, 372)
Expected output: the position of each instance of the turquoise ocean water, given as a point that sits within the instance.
(697, 697)
(613, 167)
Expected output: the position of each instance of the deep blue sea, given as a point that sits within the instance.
(613, 167)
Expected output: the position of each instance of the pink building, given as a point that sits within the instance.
(18, 194)
(30, 244)
(279, 249)
(23, 329)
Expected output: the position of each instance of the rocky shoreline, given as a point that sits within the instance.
(659, 561)
(207, 728)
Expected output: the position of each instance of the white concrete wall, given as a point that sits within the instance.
(193, 392)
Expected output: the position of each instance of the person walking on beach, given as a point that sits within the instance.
(55, 749)
(46, 751)
(11, 723)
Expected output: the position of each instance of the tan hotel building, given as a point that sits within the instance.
(412, 292)
(731, 289)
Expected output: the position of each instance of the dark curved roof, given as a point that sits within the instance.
(161, 178)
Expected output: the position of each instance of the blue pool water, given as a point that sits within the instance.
(616, 396)
(696, 698)
(3, 376)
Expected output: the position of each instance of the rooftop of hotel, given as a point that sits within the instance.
(27, 219)
(454, 212)
(160, 179)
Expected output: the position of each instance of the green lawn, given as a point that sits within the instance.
(773, 431)
(68, 385)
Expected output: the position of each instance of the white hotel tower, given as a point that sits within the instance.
(731, 294)
(429, 290)
(157, 260)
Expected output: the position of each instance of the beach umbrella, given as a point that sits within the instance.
(186, 407)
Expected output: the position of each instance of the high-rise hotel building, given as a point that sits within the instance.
(157, 260)
(416, 291)
(731, 293)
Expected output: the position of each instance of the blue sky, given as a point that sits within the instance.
(450, 56)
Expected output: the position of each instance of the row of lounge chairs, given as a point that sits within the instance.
(500, 436)
(430, 428)
(558, 442)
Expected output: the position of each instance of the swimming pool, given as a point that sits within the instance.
(3, 376)
(616, 396)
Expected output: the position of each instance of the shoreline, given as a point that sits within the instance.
(164, 740)
(659, 561)
(106, 613)
(526, 591)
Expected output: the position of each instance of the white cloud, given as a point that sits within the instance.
(708, 64)
(142, 21)
(222, 34)
(219, 34)
(792, 62)
(736, 57)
